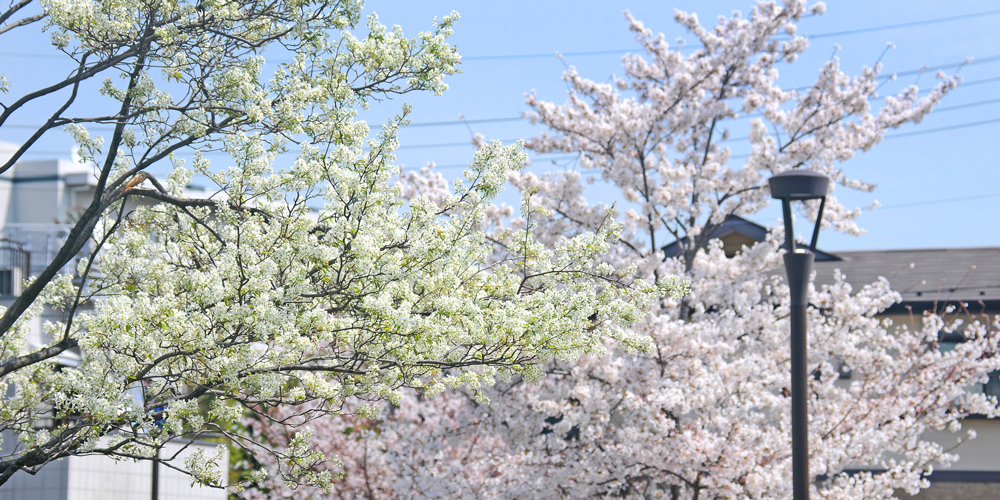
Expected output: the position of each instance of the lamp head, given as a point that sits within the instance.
(799, 184)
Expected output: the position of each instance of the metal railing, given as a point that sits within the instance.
(26, 249)
(15, 266)
(43, 242)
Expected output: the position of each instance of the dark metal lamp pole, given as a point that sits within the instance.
(788, 186)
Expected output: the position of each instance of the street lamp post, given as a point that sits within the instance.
(787, 186)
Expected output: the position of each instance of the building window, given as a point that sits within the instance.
(990, 388)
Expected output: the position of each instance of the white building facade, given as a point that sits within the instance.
(101, 478)
(39, 202)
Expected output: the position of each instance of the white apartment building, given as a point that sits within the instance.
(39, 200)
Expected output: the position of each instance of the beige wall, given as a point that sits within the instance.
(956, 491)
(980, 454)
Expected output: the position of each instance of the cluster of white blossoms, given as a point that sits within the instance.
(313, 286)
(306, 288)
(706, 414)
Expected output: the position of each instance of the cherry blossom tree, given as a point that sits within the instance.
(296, 286)
(705, 415)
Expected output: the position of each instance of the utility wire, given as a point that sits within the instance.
(534, 162)
(924, 69)
(927, 69)
(463, 122)
(469, 143)
(893, 136)
(904, 25)
(512, 119)
(942, 129)
(968, 105)
(411, 125)
(622, 51)
(447, 144)
(744, 156)
(977, 82)
(935, 202)
(33, 152)
(520, 118)
(983, 60)
(934, 112)
(917, 132)
(736, 139)
(33, 56)
(552, 54)
(816, 36)
(904, 134)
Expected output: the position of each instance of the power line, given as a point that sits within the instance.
(34, 127)
(521, 118)
(469, 143)
(893, 136)
(904, 25)
(816, 36)
(33, 152)
(904, 73)
(928, 69)
(935, 202)
(547, 54)
(963, 106)
(534, 161)
(983, 60)
(737, 139)
(463, 122)
(33, 56)
(446, 144)
(622, 51)
(916, 132)
(511, 119)
(411, 125)
(905, 134)
(942, 129)
(938, 110)
(979, 82)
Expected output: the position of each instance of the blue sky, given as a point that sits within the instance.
(938, 189)
(910, 171)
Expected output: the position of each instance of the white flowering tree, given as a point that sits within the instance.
(706, 415)
(310, 289)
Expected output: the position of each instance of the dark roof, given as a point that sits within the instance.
(923, 275)
(937, 275)
(735, 224)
